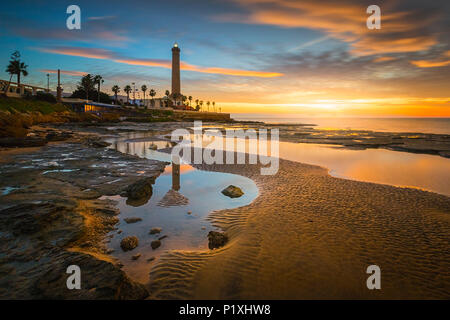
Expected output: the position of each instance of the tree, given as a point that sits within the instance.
(196, 102)
(116, 90)
(201, 104)
(127, 89)
(98, 79)
(208, 103)
(144, 88)
(16, 67)
(152, 94)
(167, 93)
(87, 85)
(190, 101)
(214, 106)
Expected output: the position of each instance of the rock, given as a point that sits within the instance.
(100, 144)
(163, 237)
(216, 239)
(141, 189)
(155, 230)
(129, 243)
(155, 244)
(22, 142)
(132, 220)
(57, 136)
(232, 191)
(150, 259)
(136, 256)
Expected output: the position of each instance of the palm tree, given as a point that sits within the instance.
(201, 104)
(116, 90)
(214, 106)
(127, 89)
(196, 102)
(208, 103)
(16, 67)
(87, 84)
(152, 94)
(98, 80)
(144, 88)
(183, 98)
(190, 101)
(167, 93)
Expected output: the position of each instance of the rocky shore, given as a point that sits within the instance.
(52, 216)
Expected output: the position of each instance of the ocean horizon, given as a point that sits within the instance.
(422, 125)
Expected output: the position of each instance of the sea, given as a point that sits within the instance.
(423, 125)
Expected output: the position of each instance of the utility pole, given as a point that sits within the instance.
(58, 88)
(48, 82)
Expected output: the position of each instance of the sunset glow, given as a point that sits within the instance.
(258, 56)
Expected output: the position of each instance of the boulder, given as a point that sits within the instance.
(132, 219)
(155, 230)
(141, 189)
(232, 191)
(129, 243)
(216, 239)
(155, 244)
(136, 256)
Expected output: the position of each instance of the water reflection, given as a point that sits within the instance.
(175, 176)
(181, 201)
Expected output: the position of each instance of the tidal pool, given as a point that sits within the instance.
(179, 205)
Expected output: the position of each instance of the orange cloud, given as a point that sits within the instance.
(433, 63)
(430, 64)
(66, 72)
(79, 52)
(383, 59)
(105, 54)
(345, 21)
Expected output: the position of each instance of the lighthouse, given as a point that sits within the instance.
(176, 72)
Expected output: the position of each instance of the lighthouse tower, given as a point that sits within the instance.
(176, 71)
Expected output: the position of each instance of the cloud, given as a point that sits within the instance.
(310, 43)
(94, 53)
(440, 62)
(402, 30)
(383, 59)
(101, 18)
(430, 64)
(65, 72)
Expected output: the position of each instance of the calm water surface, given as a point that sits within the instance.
(200, 193)
(424, 125)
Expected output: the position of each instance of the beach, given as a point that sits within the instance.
(311, 236)
(306, 235)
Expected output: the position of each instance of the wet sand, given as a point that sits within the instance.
(311, 236)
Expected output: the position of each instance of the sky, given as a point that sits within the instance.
(311, 58)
